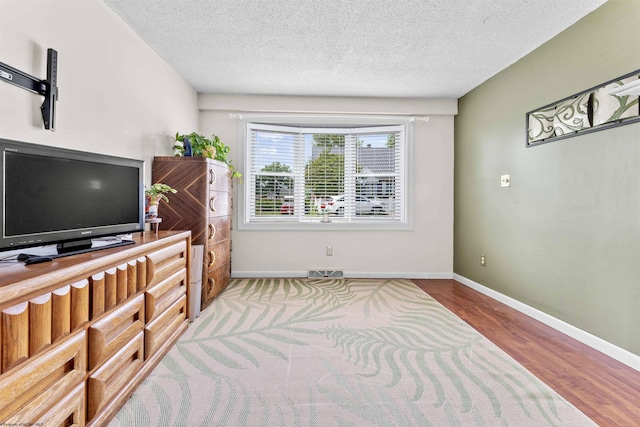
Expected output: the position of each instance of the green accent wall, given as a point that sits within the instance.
(565, 237)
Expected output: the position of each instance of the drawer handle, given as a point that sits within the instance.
(212, 283)
(212, 258)
(212, 175)
(212, 231)
(212, 204)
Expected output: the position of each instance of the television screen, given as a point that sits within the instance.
(51, 195)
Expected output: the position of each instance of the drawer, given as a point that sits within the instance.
(217, 281)
(165, 293)
(114, 375)
(164, 325)
(69, 411)
(218, 177)
(36, 386)
(108, 334)
(218, 229)
(219, 204)
(32, 326)
(115, 285)
(165, 262)
(217, 254)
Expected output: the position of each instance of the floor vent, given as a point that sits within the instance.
(312, 274)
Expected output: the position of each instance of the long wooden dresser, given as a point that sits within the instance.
(80, 333)
(202, 205)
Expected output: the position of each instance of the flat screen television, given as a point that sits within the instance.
(59, 196)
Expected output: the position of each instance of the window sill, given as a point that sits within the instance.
(316, 225)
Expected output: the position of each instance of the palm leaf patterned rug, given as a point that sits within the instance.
(325, 352)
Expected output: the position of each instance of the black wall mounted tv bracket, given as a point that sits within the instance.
(47, 88)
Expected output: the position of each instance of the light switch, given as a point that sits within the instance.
(505, 181)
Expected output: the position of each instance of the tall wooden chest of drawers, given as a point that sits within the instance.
(202, 205)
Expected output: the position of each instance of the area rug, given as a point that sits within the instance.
(285, 352)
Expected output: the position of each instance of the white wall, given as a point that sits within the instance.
(116, 95)
(425, 251)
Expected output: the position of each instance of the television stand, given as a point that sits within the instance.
(81, 249)
(75, 250)
(74, 246)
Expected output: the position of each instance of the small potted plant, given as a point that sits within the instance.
(154, 194)
(196, 145)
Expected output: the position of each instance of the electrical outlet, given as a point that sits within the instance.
(329, 250)
(483, 260)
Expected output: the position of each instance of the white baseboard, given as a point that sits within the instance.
(267, 274)
(347, 275)
(395, 275)
(611, 350)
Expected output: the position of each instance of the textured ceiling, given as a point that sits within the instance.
(387, 48)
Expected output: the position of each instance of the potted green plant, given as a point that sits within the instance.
(196, 145)
(154, 194)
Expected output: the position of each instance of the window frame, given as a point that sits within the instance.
(323, 124)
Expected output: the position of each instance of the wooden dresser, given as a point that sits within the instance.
(79, 334)
(202, 205)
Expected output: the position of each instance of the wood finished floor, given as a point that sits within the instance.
(604, 389)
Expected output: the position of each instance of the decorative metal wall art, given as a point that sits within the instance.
(614, 103)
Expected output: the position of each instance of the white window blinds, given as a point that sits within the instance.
(345, 175)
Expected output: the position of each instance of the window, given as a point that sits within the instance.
(314, 175)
